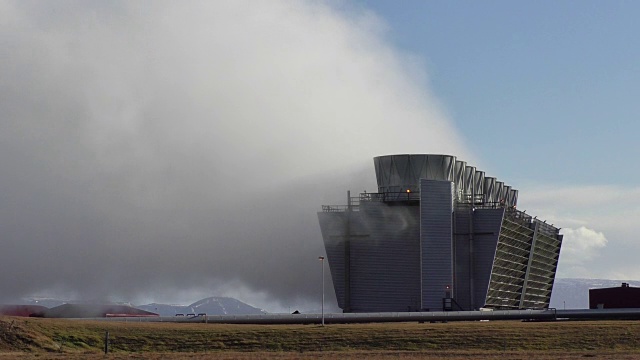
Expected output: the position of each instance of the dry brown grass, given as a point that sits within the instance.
(64, 339)
(373, 355)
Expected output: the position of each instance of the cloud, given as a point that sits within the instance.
(579, 248)
(582, 244)
(589, 215)
(609, 208)
(156, 148)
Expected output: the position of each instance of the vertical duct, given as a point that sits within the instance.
(497, 197)
(514, 197)
(469, 182)
(478, 187)
(459, 177)
(436, 242)
(506, 195)
(489, 189)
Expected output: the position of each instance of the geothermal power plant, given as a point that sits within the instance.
(438, 235)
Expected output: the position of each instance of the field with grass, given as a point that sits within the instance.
(34, 338)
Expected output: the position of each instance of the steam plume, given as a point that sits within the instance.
(153, 148)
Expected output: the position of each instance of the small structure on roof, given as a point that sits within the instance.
(623, 297)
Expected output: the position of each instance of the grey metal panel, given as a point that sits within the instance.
(402, 167)
(436, 208)
(506, 195)
(397, 173)
(514, 197)
(332, 226)
(440, 167)
(489, 189)
(462, 257)
(419, 167)
(469, 178)
(459, 173)
(377, 164)
(478, 187)
(385, 266)
(383, 172)
(486, 225)
(497, 191)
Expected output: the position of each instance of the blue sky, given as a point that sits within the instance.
(544, 91)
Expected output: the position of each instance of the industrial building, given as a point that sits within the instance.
(437, 235)
(622, 297)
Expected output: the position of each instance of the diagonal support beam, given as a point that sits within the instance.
(526, 274)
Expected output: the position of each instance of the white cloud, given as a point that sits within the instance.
(579, 247)
(599, 223)
(608, 208)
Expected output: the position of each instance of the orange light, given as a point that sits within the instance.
(408, 190)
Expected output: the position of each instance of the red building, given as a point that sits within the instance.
(623, 297)
(23, 310)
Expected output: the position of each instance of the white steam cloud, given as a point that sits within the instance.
(579, 248)
(152, 147)
(611, 209)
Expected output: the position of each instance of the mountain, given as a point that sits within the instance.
(44, 301)
(574, 293)
(210, 306)
(568, 293)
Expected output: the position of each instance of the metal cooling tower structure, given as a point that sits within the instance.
(438, 235)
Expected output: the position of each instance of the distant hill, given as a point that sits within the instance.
(569, 293)
(210, 306)
(574, 293)
(42, 301)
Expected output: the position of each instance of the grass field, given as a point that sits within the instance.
(62, 339)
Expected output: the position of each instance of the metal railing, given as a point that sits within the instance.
(390, 196)
(339, 208)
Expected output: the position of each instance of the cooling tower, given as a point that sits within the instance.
(438, 235)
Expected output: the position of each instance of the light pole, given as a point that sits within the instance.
(321, 258)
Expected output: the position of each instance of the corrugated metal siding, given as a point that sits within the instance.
(486, 225)
(436, 208)
(384, 266)
(332, 226)
(396, 173)
(462, 265)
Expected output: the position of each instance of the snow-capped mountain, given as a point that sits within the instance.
(209, 306)
(44, 301)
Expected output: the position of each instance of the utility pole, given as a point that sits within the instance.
(321, 258)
